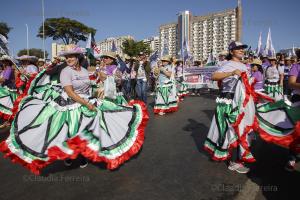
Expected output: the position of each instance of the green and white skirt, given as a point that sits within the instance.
(166, 99)
(231, 125)
(7, 99)
(49, 126)
(274, 90)
(182, 88)
(279, 123)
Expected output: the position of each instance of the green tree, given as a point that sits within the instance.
(33, 52)
(133, 48)
(65, 29)
(4, 29)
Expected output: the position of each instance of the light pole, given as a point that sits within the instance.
(43, 10)
(27, 39)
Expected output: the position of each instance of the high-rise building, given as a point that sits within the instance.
(106, 45)
(56, 49)
(168, 38)
(184, 30)
(202, 34)
(212, 33)
(153, 42)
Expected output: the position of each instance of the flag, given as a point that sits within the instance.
(210, 59)
(91, 47)
(185, 51)
(165, 50)
(186, 54)
(269, 49)
(113, 47)
(3, 44)
(249, 51)
(293, 51)
(259, 50)
(153, 58)
(121, 64)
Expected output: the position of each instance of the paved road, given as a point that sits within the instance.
(171, 165)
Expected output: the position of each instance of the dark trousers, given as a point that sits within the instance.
(141, 90)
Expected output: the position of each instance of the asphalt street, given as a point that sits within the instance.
(171, 165)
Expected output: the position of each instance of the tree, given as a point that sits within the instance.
(65, 29)
(133, 48)
(33, 52)
(4, 29)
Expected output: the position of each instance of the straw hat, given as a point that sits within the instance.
(41, 60)
(223, 53)
(272, 58)
(166, 58)
(126, 57)
(287, 58)
(26, 57)
(256, 62)
(71, 49)
(112, 55)
(5, 57)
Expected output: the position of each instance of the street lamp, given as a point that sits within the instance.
(43, 11)
(27, 39)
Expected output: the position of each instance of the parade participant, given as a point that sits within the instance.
(29, 64)
(222, 138)
(41, 64)
(67, 121)
(265, 61)
(279, 122)
(179, 76)
(166, 99)
(281, 60)
(133, 79)
(126, 77)
(196, 88)
(7, 76)
(251, 57)
(198, 63)
(257, 74)
(143, 69)
(23, 78)
(111, 70)
(8, 94)
(287, 67)
(294, 83)
(222, 58)
(247, 62)
(274, 79)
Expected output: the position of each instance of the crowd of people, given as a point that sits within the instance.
(63, 109)
(257, 95)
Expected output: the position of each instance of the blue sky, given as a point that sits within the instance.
(142, 18)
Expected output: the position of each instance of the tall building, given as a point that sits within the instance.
(106, 45)
(212, 33)
(184, 30)
(153, 42)
(203, 34)
(168, 38)
(56, 49)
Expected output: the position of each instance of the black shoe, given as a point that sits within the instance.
(83, 163)
(68, 162)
